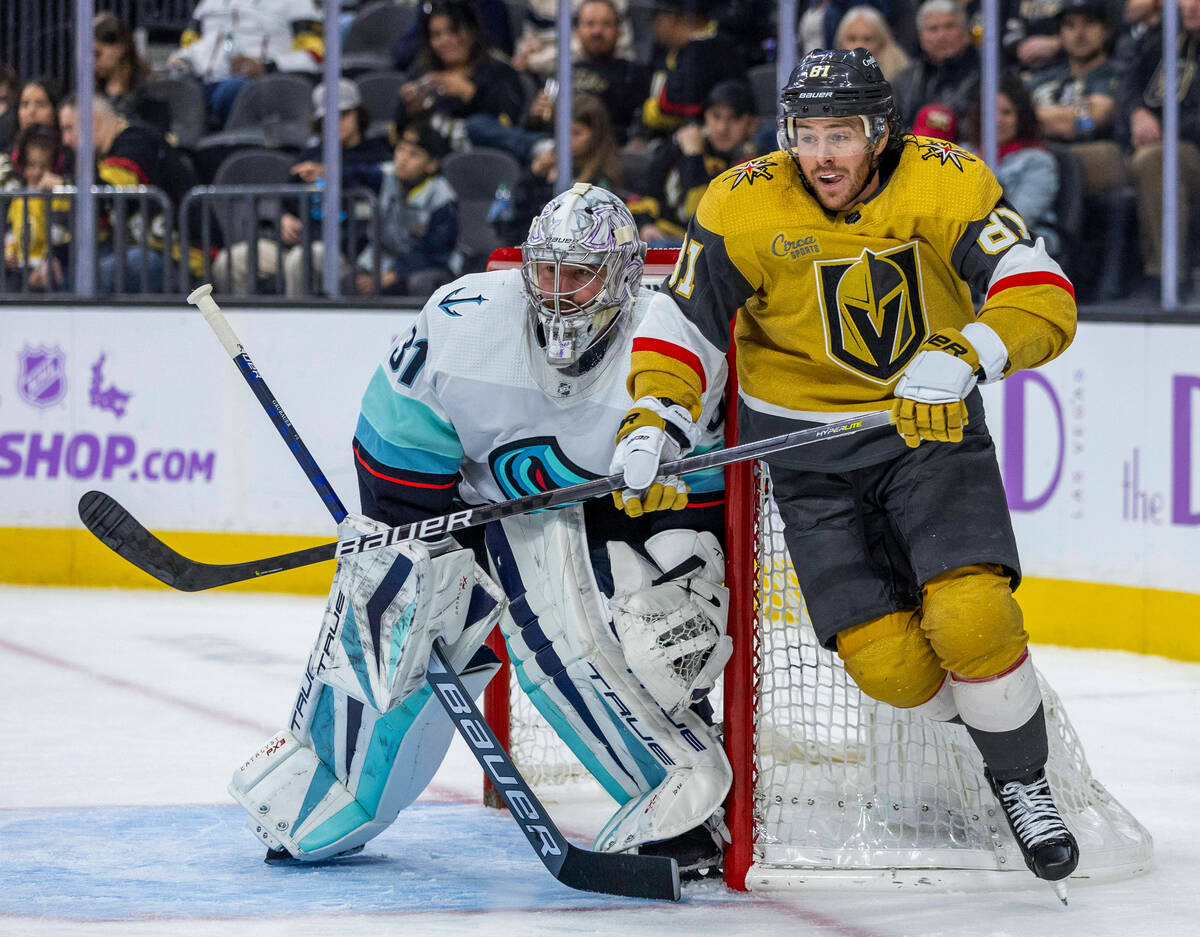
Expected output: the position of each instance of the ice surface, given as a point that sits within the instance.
(124, 714)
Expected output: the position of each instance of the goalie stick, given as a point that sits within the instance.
(120, 531)
(628, 875)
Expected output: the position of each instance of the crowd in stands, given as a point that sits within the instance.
(664, 100)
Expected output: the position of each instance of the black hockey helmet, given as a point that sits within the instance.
(837, 83)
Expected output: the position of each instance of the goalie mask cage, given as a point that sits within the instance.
(829, 785)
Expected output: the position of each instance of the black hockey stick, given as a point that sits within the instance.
(120, 530)
(611, 873)
(632, 876)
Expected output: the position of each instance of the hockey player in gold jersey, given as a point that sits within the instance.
(845, 263)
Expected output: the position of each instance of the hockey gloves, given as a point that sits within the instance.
(656, 430)
(931, 391)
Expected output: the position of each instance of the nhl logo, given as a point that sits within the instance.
(42, 381)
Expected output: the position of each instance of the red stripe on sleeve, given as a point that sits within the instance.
(130, 166)
(398, 481)
(679, 353)
(1039, 278)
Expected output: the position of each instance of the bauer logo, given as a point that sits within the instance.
(1033, 428)
(42, 377)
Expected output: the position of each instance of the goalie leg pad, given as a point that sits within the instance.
(386, 608)
(346, 783)
(568, 661)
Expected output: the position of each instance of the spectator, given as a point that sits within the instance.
(31, 233)
(121, 74)
(229, 43)
(456, 76)
(1140, 34)
(947, 69)
(127, 154)
(682, 166)
(37, 103)
(695, 58)
(1030, 36)
(537, 46)
(1025, 169)
(621, 84)
(865, 27)
(595, 158)
(494, 21)
(362, 159)
(1141, 109)
(1076, 100)
(937, 121)
(419, 218)
(9, 90)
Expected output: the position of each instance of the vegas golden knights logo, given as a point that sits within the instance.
(873, 312)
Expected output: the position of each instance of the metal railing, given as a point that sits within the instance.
(236, 234)
(132, 253)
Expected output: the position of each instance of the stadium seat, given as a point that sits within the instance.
(185, 99)
(371, 33)
(274, 110)
(475, 176)
(380, 91)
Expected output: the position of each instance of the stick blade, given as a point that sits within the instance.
(120, 531)
(630, 876)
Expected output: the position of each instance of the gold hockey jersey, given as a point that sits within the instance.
(830, 308)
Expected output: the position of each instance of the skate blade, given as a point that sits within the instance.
(1060, 889)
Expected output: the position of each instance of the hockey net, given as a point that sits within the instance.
(829, 784)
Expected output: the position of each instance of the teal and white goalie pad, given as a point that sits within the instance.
(366, 735)
(668, 773)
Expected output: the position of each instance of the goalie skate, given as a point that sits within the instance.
(1047, 845)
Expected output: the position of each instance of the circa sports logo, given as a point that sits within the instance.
(795, 248)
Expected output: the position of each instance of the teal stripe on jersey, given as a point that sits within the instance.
(705, 480)
(406, 433)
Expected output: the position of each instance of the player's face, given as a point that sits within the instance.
(835, 157)
(576, 283)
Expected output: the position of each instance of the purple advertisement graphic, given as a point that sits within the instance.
(1185, 390)
(108, 398)
(42, 378)
(1016, 389)
(82, 455)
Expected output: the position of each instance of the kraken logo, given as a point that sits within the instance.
(527, 466)
(873, 311)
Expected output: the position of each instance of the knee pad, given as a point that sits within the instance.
(972, 621)
(890, 659)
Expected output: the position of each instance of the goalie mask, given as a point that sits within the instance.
(582, 266)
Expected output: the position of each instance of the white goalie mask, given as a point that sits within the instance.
(582, 265)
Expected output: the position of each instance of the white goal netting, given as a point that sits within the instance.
(849, 790)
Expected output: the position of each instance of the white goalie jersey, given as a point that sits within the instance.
(464, 404)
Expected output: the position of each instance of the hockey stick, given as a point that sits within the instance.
(633, 876)
(120, 531)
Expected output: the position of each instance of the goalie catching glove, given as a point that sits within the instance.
(931, 394)
(670, 614)
(654, 431)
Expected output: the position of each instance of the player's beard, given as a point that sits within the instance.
(851, 182)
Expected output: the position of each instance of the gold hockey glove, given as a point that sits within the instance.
(653, 431)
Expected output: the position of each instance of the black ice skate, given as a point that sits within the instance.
(698, 852)
(1049, 849)
(283, 857)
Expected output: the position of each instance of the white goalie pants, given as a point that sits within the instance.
(669, 774)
